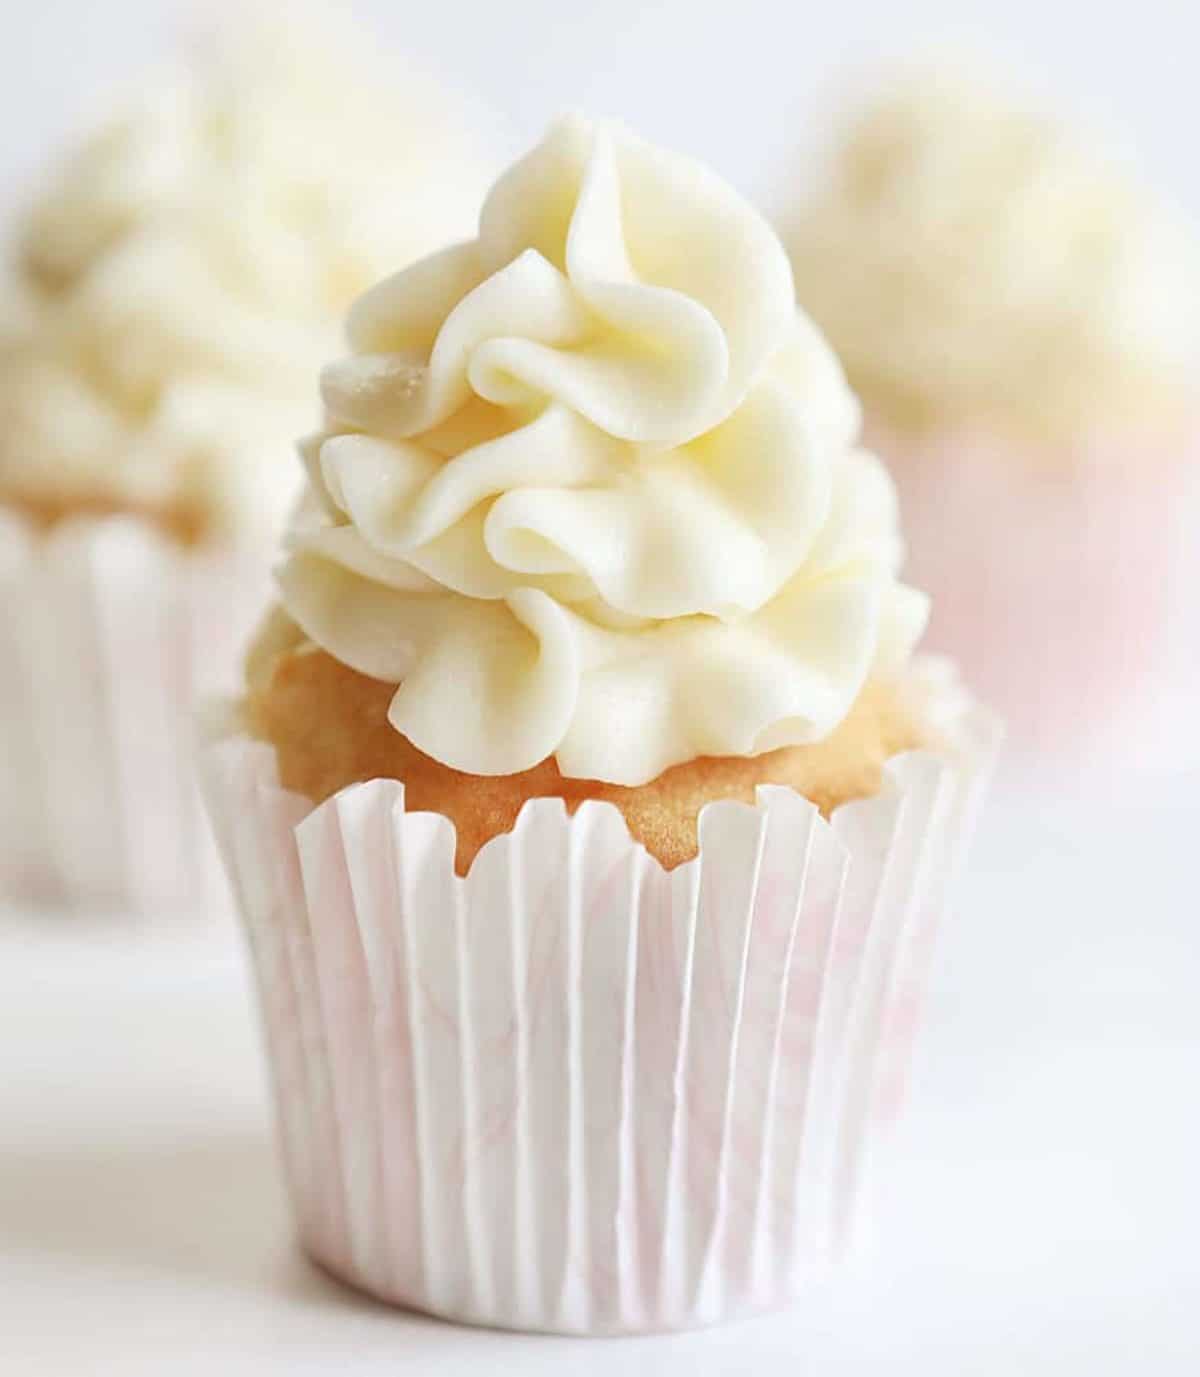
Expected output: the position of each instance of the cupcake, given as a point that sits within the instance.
(1020, 320)
(178, 285)
(590, 815)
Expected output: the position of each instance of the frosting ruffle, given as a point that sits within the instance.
(185, 275)
(588, 486)
(976, 266)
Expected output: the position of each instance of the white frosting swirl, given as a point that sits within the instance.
(588, 486)
(187, 271)
(972, 264)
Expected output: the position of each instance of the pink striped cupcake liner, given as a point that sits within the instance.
(1066, 588)
(109, 637)
(572, 1091)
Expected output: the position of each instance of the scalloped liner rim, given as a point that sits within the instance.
(972, 743)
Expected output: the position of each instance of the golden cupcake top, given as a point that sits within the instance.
(589, 486)
(975, 264)
(183, 275)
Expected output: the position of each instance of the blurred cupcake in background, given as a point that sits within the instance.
(177, 285)
(1021, 320)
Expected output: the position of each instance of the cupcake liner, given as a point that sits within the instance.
(1066, 588)
(109, 634)
(571, 1091)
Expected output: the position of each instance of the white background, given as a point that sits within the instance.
(745, 84)
(1043, 1210)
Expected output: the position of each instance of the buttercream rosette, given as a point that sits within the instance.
(178, 286)
(184, 274)
(589, 487)
(1021, 318)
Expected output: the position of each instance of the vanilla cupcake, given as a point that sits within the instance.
(1022, 322)
(590, 817)
(180, 282)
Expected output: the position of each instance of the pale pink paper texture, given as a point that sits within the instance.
(1067, 586)
(571, 1091)
(109, 637)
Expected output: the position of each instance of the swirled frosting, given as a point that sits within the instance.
(186, 273)
(973, 264)
(588, 486)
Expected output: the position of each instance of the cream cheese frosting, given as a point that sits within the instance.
(185, 275)
(589, 487)
(972, 263)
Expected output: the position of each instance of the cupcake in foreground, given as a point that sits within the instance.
(590, 816)
(1022, 323)
(180, 283)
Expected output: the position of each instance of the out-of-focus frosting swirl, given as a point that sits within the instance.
(588, 487)
(185, 275)
(973, 265)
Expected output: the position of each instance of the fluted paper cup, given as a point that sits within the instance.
(572, 1091)
(1066, 587)
(109, 636)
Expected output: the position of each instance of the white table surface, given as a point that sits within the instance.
(1040, 1210)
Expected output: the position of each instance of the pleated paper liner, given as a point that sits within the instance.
(109, 636)
(571, 1091)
